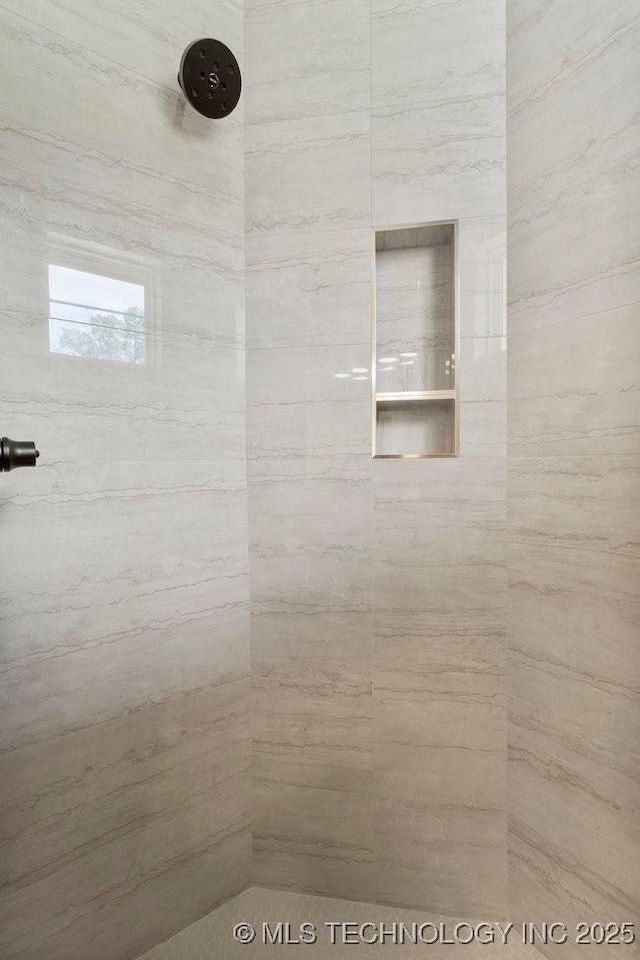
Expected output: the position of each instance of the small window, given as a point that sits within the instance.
(96, 316)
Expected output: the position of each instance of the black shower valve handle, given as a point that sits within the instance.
(17, 453)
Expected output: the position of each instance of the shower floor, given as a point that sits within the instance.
(212, 937)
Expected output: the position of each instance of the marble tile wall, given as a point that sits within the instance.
(308, 219)
(378, 589)
(124, 624)
(574, 469)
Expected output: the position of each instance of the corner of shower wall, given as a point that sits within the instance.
(378, 587)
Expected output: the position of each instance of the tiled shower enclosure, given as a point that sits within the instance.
(304, 603)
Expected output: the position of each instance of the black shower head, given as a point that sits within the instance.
(210, 78)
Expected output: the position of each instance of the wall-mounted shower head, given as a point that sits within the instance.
(210, 78)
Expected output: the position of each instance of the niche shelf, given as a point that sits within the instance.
(415, 334)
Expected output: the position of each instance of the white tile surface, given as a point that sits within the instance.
(428, 145)
(306, 58)
(417, 60)
(125, 615)
(574, 410)
(309, 174)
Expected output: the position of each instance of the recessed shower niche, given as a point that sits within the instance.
(414, 342)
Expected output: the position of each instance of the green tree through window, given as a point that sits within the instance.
(107, 336)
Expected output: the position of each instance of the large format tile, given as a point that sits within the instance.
(481, 371)
(81, 648)
(437, 551)
(574, 613)
(440, 828)
(194, 318)
(440, 678)
(574, 387)
(308, 174)
(45, 217)
(420, 572)
(430, 856)
(576, 191)
(483, 268)
(574, 841)
(313, 839)
(439, 161)
(418, 61)
(592, 786)
(302, 408)
(573, 575)
(306, 59)
(147, 38)
(77, 119)
(310, 543)
(594, 671)
(121, 834)
(125, 624)
(310, 290)
(314, 732)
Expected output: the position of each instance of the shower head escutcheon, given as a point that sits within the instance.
(209, 77)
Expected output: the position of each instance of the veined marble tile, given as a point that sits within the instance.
(314, 731)
(120, 834)
(412, 539)
(130, 414)
(430, 856)
(310, 290)
(77, 120)
(581, 795)
(189, 303)
(574, 193)
(306, 58)
(437, 751)
(101, 408)
(439, 543)
(441, 654)
(439, 161)
(590, 600)
(310, 543)
(573, 572)
(589, 504)
(148, 38)
(574, 387)
(483, 267)
(440, 828)
(574, 613)
(135, 590)
(547, 882)
(126, 603)
(483, 429)
(483, 369)
(311, 643)
(423, 482)
(308, 174)
(435, 52)
(537, 66)
(62, 211)
(305, 404)
(97, 406)
(313, 840)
